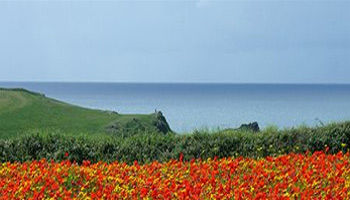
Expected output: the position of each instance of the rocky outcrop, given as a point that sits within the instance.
(253, 127)
(139, 124)
(161, 124)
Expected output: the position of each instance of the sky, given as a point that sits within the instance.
(209, 41)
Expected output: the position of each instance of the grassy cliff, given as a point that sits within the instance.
(22, 110)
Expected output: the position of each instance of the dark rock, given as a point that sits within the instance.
(136, 125)
(254, 127)
(161, 124)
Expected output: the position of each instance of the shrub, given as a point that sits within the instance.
(147, 147)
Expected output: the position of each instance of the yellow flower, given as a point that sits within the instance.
(343, 144)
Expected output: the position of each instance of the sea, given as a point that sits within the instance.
(189, 106)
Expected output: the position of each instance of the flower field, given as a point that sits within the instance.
(292, 176)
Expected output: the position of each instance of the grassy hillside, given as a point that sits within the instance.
(22, 110)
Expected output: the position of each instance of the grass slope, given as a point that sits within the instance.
(22, 110)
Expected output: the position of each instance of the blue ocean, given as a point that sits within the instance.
(209, 106)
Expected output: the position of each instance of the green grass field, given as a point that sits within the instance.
(22, 111)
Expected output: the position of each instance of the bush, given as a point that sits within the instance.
(147, 147)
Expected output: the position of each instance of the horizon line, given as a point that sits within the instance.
(204, 83)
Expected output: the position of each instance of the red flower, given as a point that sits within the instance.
(144, 192)
(66, 154)
(181, 157)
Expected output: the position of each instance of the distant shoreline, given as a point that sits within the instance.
(170, 83)
(189, 106)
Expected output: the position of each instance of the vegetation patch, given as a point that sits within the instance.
(22, 111)
(146, 147)
(291, 176)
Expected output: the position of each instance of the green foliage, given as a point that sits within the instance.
(147, 146)
(22, 111)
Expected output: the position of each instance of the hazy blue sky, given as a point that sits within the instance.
(177, 41)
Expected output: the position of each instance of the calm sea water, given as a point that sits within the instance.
(196, 106)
